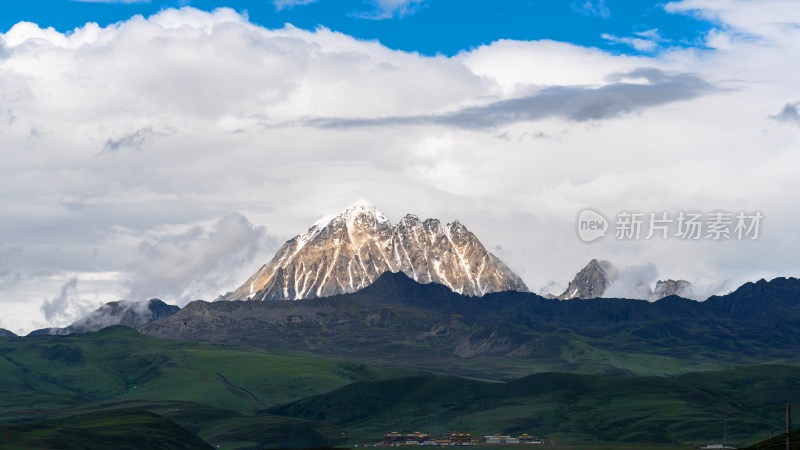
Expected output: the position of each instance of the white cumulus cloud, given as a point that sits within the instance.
(139, 148)
(198, 263)
(643, 41)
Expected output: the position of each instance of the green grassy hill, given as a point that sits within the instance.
(118, 429)
(48, 383)
(119, 363)
(245, 398)
(217, 427)
(688, 408)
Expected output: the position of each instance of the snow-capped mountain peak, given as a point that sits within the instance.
(355, 247)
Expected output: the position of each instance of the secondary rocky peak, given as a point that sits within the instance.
(665, 288)
(349, 251)
(131, 314)
(592, 281)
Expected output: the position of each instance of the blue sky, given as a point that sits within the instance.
(429, 27)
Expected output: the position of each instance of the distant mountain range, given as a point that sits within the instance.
(132, 314)
(427, 325)
(350, 251)
(594, 280)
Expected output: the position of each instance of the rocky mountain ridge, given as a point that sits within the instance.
(596, 277)
(425, 325)
(354, 248)
(131, 314)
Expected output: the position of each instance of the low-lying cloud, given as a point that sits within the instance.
(633, 282)
(197, 263)
(65, 306)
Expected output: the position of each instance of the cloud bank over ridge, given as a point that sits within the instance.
(194, 135)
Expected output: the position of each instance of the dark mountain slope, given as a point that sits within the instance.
(118, 429)
(426, 326)
(635, 409)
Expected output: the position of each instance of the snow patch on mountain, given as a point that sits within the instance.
(350, 250)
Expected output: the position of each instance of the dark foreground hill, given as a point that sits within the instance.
(211, 391)
(243, 397)
(128, 428)
(397, 321)
(687, 408)
(6, 333)
(116, 384)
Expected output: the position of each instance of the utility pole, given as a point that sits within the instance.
(788, 423)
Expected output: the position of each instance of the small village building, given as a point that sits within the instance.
(457, 437)
(495, 439)
(501, 439)
(416, 438)
(528, 439)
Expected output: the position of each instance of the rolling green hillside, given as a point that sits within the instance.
(688, 408)
(227, 429)
(49, 384)
(245, 398)
(120, 364)
(118, 429)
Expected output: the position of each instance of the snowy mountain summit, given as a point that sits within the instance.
(351, 250)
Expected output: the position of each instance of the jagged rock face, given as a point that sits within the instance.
(592, 281)
(352, 250)
(132, 314)
(671, 287)
(6, 333)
